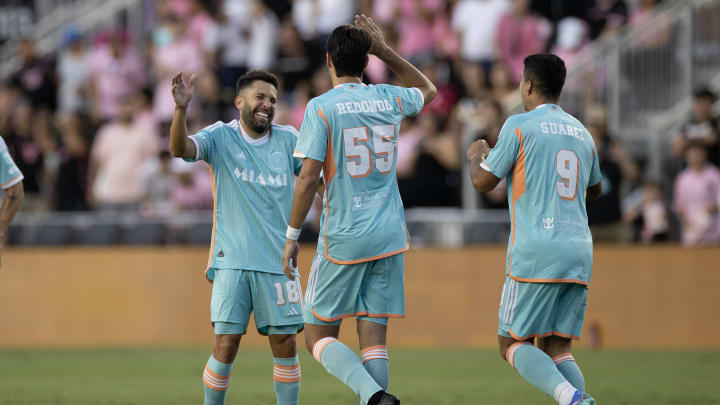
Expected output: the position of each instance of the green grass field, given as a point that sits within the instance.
(437, 377)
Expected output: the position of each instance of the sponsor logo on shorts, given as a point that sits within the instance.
(293, 312)
(221, 254)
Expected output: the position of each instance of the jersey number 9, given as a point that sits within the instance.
(568, 167)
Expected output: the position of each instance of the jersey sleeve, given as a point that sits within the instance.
(409, 100)
(297, 163)
(204, 141)
(595, 174)
(313, 138)
(10, 175)
(505, 153)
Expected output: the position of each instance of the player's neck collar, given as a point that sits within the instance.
(548, 105)
(350, 83)
(251, 141)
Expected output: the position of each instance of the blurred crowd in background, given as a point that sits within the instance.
(88, 125)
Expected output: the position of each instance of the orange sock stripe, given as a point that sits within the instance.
(320, 346)
(286, 374)
(563, 357)
(369, 348)
(215, 381)
(374, 353)
(510, 355)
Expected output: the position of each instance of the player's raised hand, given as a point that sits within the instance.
(182, 92)
(289, 259)
(479, 148)
(368, 25)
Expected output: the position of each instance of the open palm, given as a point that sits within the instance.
(182, 92)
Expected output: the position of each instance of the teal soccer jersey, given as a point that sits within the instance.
(353, 129)
(549, 160)
(9, 172)
(252, 187)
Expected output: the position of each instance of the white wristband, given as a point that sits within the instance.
(292, 233)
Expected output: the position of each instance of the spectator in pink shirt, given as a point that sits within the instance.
(115, 71)
(121, 149)
(180, 54)
(697, 192)
(520, 34)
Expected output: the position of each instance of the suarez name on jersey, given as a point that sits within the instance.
(253, 186)
(353, 129)
(549, 160)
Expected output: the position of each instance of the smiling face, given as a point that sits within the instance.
(256, 104)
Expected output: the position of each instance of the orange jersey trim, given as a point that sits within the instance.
(11, 180)
(367, 259)
(553, 333)
(518, 188)
(399, 102)
(548, 280)
(363, 313)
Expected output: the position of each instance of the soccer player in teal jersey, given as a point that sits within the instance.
(253, 178)
(551, 166)
(10, 181)
(351, 133)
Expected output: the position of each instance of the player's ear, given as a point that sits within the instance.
(238, 102)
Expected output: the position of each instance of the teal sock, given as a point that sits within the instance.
(216, 379)
(375, 360)
(286, 376)
(379, 369)
(539, 370)
(566, 364)
(341, 362)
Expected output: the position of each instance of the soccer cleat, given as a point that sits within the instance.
(383, 398)
(581, 398)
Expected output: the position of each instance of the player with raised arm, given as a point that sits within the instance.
(252, 178)
(551, 166)
(351, 133)
(10, 181)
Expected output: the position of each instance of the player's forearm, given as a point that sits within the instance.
(408, 74)
(482, 180)
(180, 143)
(10, 206)
(305, 190)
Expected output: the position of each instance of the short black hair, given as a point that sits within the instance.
(348, 48)
(258, 74)
(547, 72)
(705, 93)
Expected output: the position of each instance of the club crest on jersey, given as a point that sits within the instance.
(277, 161)
(267, 180)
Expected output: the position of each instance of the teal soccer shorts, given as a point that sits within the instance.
(372, 291)
(530, 310)
(275, 300)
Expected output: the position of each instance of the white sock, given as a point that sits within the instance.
(564, 393)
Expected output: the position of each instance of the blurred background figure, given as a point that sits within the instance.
(619, 172)
(73, 73)
(697, 195)
(122, 148)
(701, 127)
(116, 70)
(520, 33)
(649, 216)
(476, 23)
